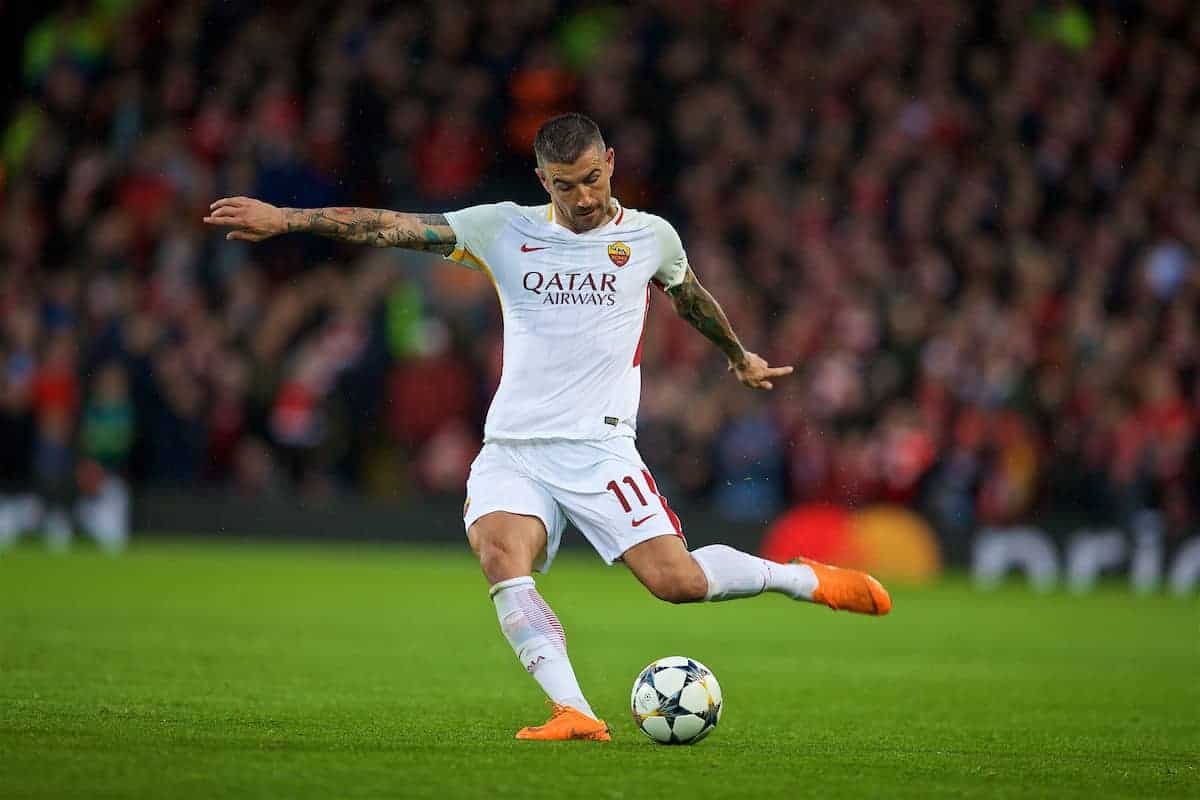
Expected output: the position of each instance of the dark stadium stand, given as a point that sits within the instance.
(973, 227)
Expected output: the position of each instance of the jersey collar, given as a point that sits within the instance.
(616, 219)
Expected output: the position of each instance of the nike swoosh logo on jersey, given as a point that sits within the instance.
(527, 249)
(638, 522)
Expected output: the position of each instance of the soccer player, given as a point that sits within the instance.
(573, 279)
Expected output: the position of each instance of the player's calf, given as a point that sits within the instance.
(665, 567)
(676, 585)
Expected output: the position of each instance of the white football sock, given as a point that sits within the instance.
(732, 574)
(537, 637)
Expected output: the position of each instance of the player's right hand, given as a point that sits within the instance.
(252, 220)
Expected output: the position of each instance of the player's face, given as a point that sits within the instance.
(581, 192)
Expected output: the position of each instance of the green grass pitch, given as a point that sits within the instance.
(215, 670)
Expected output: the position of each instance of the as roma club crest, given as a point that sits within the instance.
(619, 253)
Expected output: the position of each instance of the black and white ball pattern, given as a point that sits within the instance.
(676, 700)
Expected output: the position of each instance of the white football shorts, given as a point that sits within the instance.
(603, 487)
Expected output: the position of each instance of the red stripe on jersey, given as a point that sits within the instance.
(637, 356)
(670, 514)
(620, 217)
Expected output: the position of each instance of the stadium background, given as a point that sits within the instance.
(972, 227)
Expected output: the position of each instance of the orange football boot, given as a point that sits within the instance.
(567, 723)
(848, 589)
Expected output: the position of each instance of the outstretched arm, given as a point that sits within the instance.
(253, 220)
(694, 303)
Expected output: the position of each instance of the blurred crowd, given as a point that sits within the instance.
(973, 227)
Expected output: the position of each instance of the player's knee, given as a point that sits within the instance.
(502, 555)
(496, 555)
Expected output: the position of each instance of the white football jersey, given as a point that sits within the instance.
(574, 307)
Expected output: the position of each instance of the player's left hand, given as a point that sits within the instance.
(756, 373)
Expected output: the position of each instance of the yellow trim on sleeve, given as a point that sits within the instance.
(464, 256)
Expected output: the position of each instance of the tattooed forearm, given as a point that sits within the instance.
(694, 303)
(375, 227)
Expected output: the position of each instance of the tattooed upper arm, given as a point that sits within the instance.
(686, 295)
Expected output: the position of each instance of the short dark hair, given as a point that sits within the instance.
(563, 139)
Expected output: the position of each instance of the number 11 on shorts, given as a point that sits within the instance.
(631, 482)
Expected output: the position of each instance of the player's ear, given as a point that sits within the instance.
(542, 179)
(610, 158)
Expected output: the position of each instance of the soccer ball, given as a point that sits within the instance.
(676, 700)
